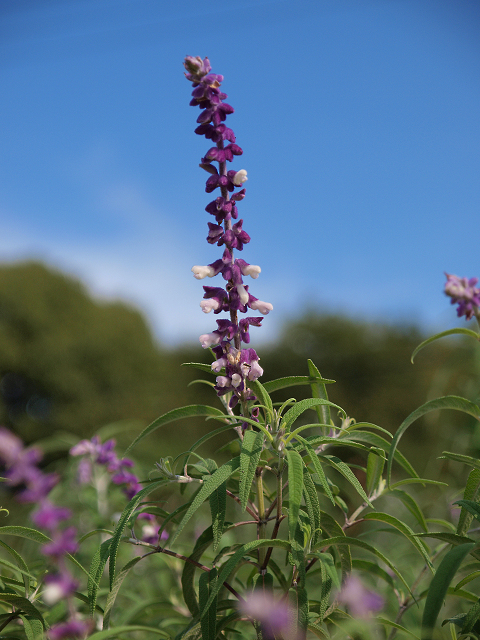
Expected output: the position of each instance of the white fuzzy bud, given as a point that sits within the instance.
(207, 339)
(53, 593)
(209, 305)
(223, 381)
(263, 307)
(242, 293)
(240, 177)
(236, 380)
(218, 364)
(251, 270)
(200, 272)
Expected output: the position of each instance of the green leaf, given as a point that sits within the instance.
(14, 568)
(188, 573)
(192, 411)
(207, 436)
(252, 446)
(210, 484)
(404, 529)
(198, 365)
(218, 508)
(375, 464)
(117, 583)
(319, 390)
(295, 489)
(313, 506)
(317, 468)
(331, 527)
(450, 332)
(33, 628)
(395, 625)
(377, 441)
(208, 621)
(232, 562)
(262, 395)
(471, 618)
(447, 402)
(292, 381)
(451, 538)
(417, 481)
(122, 523)
(411, 505)
(116, 631)
(25, 532)
(471, 507)
(24, 605)
(439, 586)
(298, 598)
(99, 560)
(355, 542)
(21, 564)
(470, 493)
(347, 473)
(302, 406)
(458, 457)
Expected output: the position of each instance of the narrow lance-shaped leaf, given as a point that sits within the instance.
(295, 489)
(122, 523)
(439, 586)
(249, 456)
(447, 402)
(218, 508)
(347, 473)
(210, 484)
(208, 623)
(232, 562)
(449, 332)
(116, 588)
(192, 411)
(302, 406)
(375, 464)
(471, 492)
(292, 381)
(317, 468)
(319, 390)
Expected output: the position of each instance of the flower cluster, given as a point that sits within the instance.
(21, 470)
(464, 293)
(240, 365)
(93, 452)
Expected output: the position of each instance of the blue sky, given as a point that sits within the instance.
(359, 121)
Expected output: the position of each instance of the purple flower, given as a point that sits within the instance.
(70, 629)
(63, 542)
(59, 587)
(464, 293)
(361, 602)
(275, 616)
(48, 515)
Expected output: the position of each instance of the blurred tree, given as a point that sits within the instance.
(70, 362)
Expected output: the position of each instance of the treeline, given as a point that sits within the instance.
(70, 364)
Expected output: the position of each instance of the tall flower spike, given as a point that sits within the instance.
(241, 365)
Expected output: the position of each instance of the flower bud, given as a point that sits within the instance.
(207, 339)
(200, 272)
(263, 307)
(209, 305)
(240, 177)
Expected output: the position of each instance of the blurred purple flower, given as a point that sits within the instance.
(464, 293)
(361, 602)
(275, 616)
(58, 587)
(63, 542)
(68, 630)
(48, 515)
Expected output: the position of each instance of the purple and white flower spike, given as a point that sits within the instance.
(241, 365)
(463, 292)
